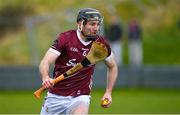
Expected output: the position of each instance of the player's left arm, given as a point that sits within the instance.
(112, 74)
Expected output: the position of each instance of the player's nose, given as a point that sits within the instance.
(96, 28)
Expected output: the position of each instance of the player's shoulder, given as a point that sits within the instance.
(67, 34)
(102, 39)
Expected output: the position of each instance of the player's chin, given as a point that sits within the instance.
(93, 35)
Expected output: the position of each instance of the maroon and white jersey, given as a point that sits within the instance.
(71, 50)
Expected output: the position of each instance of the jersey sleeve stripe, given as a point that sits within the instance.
(109, 57)
(54, 51)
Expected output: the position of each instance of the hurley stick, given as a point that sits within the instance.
(98, 52)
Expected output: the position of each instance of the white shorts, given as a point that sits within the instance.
(55, 104)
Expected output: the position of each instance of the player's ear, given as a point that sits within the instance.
(80, 24)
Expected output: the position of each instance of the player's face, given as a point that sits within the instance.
(91, 28)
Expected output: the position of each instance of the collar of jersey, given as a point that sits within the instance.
(81, 40)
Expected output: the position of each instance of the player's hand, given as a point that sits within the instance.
(47, 83)
(106, 101)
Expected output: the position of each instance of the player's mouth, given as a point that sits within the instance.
(94, 33)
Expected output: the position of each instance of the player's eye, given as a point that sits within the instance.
(95, 24)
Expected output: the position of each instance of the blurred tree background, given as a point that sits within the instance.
(28, 27)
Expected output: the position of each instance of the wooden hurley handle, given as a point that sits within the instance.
(38, 92)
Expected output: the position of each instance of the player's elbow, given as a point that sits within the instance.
(43, 64)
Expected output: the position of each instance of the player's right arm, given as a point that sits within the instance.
(49, 58)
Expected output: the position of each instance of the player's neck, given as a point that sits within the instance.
(83, 38)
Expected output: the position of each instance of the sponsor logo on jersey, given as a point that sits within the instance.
(71, 62)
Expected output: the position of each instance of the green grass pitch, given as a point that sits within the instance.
(125, 101)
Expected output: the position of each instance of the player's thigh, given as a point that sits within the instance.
(55, 104)
(80, 105)
(81, 108)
